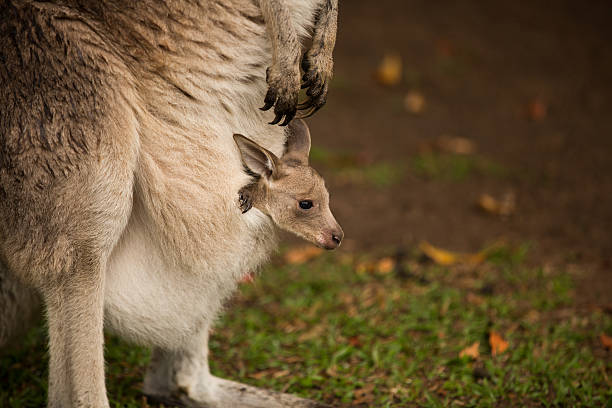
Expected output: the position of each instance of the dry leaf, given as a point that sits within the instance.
(281, 373)
(497, 343)
(389, 71)
(471, 351)
(447, 258)
(260, 375)
(414, 102)
(532, 316)
(363, 267)
(474, 299)
(449, 144)
(302, 254)
(270, 373)
(455, 145)
(313, 310)
(503, 207)
(312, 333)
(293, 327)
(346, 298)
(354, 341)
(364, 395)
(606, 341)
(332, 371)
(293, 359)
(385, 265)
(473, 259)
(439, 256)
(537, 109)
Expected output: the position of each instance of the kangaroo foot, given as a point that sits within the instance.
(230, 394)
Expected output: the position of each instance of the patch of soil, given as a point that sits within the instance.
(480, 65)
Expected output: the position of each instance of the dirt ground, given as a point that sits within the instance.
(479, 65)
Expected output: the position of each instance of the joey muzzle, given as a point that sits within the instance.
(331, 239)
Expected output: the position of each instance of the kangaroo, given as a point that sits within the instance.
(119, 174)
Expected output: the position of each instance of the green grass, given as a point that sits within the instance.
(454, 167)
(325, 331)
(352, 168)
(382, 174)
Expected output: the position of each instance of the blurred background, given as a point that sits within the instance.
(462, 123)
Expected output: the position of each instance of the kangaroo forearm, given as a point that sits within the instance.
(283, 76)
(324, 38)
(285, 41)
(318, 63)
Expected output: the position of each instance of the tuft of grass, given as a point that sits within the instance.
(454, 167)
(352, 336)
(321, 155)
(351, 168)
(23, 372)
(383, 174)
(506, 256)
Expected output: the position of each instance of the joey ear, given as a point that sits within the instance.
(298, 142)
(256, 158)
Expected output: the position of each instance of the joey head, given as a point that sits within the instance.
(288, 190)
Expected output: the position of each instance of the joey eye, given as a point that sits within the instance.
(305, 204)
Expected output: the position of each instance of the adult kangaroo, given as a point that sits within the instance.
(119, 174)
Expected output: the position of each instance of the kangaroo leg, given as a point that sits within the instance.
(75, 315)
(69, 151)
(318, 63)
(182, 377)
(283, 76)
(65, 257)
(63, 253)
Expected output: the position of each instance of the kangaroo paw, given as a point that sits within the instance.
(245, 199)
(283, 90)
(317, 73)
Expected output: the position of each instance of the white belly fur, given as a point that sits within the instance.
(151, 301)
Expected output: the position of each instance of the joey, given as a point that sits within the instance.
(288, 190)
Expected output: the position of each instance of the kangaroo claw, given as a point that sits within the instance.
(283, 90)
(315, 80)
(245, 199)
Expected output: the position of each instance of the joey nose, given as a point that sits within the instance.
(334, 239)
(337, 237)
